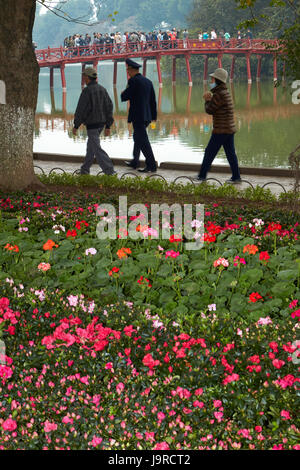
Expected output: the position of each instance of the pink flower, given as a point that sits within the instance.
(245, 433)
(9, 425)
(96, 441)
(285, 414)
(161, 415)
(296, 314)
(218, 415)
(231, 378)
(149, 436)
(172, 254)
(217, 403)
(198, 404)
(277, 363)
(44, 266)
(149, 361)
(109, 365)
(293, 303)
(221, 261)
(264, 321)
(48, 427)
(120, 387)
(162, 446)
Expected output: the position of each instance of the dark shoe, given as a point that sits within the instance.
(234, 181)
(199, 179)
(147, 170)
(131, 164)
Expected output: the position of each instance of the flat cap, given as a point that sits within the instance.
(132, 64)
(90, 72)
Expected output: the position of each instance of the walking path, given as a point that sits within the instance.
(277, 180)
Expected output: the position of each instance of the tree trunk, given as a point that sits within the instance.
(19, 73)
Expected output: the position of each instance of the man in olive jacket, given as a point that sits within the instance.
(218, 103)
(142, 111)
(95, 110)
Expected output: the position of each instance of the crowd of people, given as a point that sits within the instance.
(138, 40)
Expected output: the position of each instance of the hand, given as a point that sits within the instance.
(207, 96)
(107, 132)
(74, 131)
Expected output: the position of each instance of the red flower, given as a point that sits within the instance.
(82, 222)
(254, 297)
(264, 256)
(209, 238)
(273, 226)
(72, 233)
(113, 270)
(175, 239)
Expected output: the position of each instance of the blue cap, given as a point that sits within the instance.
(132, 64)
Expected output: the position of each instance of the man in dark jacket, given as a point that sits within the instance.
(142, 111)
(219, 104)
(95, 110)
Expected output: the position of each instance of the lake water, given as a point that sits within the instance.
(267, 121)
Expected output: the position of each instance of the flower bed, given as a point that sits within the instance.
(141, 344)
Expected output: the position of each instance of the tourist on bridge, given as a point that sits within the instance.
(142, 111)
(219, 104)
(95, 110)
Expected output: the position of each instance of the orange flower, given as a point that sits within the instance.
(251, 249)
(49, 245)
(10, 247)
(141, 228)
(123, 252)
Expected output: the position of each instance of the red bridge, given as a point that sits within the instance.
(93, 54)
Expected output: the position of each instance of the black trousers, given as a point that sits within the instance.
(141, 143)
(213, 147)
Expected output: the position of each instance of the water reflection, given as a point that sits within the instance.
(267, 121)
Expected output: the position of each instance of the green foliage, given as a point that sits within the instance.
(50, 29)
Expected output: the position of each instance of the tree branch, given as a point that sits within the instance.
(57, 10)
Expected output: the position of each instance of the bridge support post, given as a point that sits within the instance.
(174, 71)
(188, 104)
(232, 68)
(275, 68)
(205, 68)
(127, 74)
(51, 78)
(95, 64)
(220, 56)
(248, 68)
(259, 58)
(115, 78)
(64, 101)
(159, 71)
(145, 67)
(159, 99)
(63, 77)
(188, 68)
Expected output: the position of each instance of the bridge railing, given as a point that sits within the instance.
(65, 53)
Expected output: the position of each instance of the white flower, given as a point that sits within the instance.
(212, 307)
(196, 223)
(90, 251)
